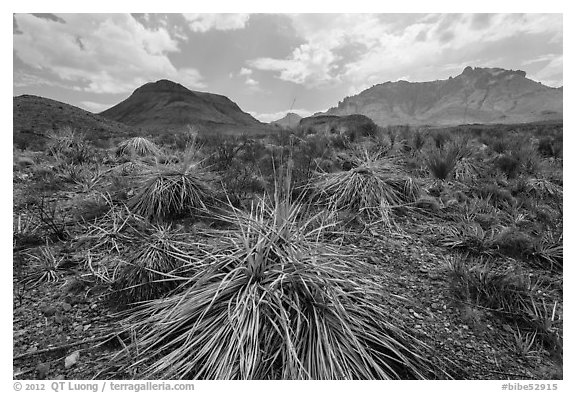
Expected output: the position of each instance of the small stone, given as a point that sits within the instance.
(66, 306)
(416, 315)
(417, 326)
(42, 369)
(78, 329)
(71, 359)
(49, 311)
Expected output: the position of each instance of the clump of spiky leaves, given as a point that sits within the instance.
(511, 293)
(45, 267)
(441, 162)
(270, 300)
(137, 146)
(372, 186)
(150, 271)
(169, 190)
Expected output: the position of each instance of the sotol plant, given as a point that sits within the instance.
(173, 189)
(268, 299)
(372, 187)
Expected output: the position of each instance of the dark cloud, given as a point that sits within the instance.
(80, 43)
(51, 17)
(481, 21)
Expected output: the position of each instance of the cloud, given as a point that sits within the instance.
(111, 53)
(204, 22)
(387, 47)
(51, 17)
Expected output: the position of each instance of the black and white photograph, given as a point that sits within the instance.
(287, 196)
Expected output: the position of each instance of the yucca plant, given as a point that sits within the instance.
(149, 272)
(372, 187)
(45, 265)
(268, 299)
(442, 162)
(173, 189)
(137, 146)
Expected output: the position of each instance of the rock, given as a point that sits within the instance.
(66, 307)
(71, 359)
(48, 311)
(42, 369)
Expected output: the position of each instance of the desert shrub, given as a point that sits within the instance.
(515, 296)
(172, 190)
(440, 138)
(550, 146)
(548, 251)
(149, 271)
(513, 243)
(137, 146)
(270, 300)
(509, 165)
(371, 187)
(45, 266)
(442, 162)
(469, 238)
(70, 146)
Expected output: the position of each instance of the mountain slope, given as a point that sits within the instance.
(291, 120)
(165, 105)
(479, 95)
(33, 116)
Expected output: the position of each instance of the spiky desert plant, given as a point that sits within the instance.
(149, 272)
(137, 146)
(270, 300)
(372, 187)
(173, 189)
(45, 267)
(441, 162)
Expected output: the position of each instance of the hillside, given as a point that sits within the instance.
(165, 105)
(291, 120)
(479, 95)
(33, 116)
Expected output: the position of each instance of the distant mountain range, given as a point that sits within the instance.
(168, 106)
(477, 95)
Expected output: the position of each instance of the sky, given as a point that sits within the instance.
(271, 63)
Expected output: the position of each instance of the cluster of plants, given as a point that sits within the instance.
(222, 246)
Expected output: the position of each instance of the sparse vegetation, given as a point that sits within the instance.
(302, 255)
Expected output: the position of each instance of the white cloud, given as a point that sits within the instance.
(204, 22)
(95, 107)
(110, 53)
(363, 49)
(245, 71)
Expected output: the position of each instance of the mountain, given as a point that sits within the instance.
(352, 126)
(168, 106)
(477, 95)
(291, 120)
(33, 116)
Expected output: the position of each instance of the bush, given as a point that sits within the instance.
(172, 190)
(137, 146)
(372, 187)
(270, 300)
(442, 162)
(149, 272)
